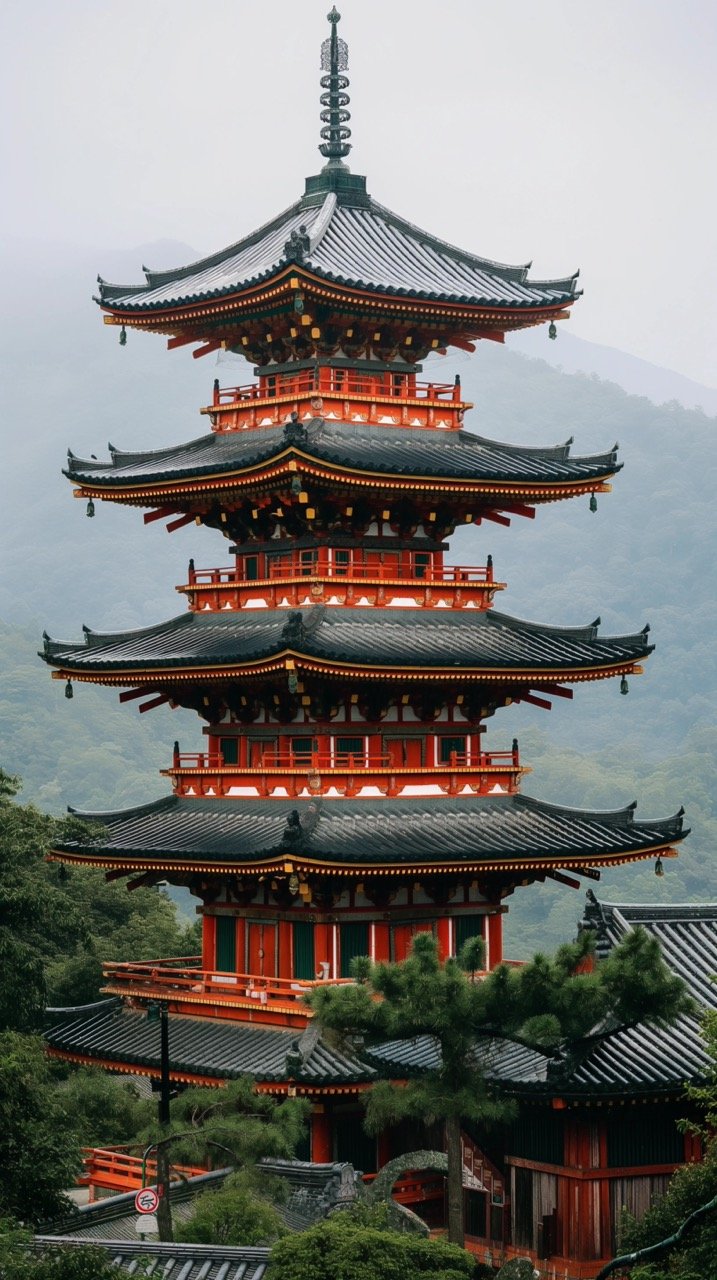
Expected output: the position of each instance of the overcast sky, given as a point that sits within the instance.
(566, 132)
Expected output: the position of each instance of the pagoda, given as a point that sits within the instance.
(343, 800)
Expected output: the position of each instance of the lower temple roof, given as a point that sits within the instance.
(378, 449)
(363, 637)
(207, 1047)
(171, 1261)
(488, 833)
(626, 1062)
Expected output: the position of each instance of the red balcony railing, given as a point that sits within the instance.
(345, 761)
(116, 1169)
(338, 382)
(179, 981)
(290, 565)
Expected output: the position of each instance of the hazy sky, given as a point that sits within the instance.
(569, 132)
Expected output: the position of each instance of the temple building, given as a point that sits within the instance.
(343, 799)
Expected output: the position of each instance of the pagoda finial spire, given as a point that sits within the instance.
(334, 100)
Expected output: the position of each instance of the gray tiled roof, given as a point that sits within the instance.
(629, 1061)
(396, 451)
(499, 1058)
(312, 1191)
(642, 1057)
(200, 1046)
(114, 1217)
(632, 1060)
(687, 933)
(366, 637)
(174, 1261)
(391, 830)
(356, 243)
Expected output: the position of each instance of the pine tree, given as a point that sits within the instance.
(550, 1004)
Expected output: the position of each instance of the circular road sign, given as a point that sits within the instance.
(146, 1200)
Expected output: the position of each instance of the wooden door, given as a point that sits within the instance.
(261, 949)
(403, 934)
(353, 941)
(303, 947)
(225, 952)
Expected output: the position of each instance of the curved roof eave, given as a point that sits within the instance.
(423, 257)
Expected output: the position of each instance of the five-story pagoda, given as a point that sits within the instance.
(343, 800)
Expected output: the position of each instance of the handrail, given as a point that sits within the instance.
(116, 1168)
(283, 565)
(323, 760)
(199, 760)
(343, 761)
(338, 382)
(195, 981)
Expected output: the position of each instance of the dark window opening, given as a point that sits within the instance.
(226, 944)
(352, 1143)
(307, 561)
(468, 927)
(350, 747)
(476, 1206)
(354, 942)
(421, 563)
(229, 748)
(251, 568)
(303, 950)
(447, 746)
(523, 1209)
(342, 560)
(303, 748)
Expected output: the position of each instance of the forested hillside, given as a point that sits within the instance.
(645, 555)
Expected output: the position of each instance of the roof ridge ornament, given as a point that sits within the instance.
(334, 100)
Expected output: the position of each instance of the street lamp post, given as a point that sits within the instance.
(158, 1011)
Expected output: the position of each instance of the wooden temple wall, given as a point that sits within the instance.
(567, 1215)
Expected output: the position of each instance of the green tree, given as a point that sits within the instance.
(57, 925)
(692, 1185)
(39, 1151)
(142, 925)
(233, 1125)
(694, 1258)
(19, 1262)
(548, 1004)
(242, 1211)
(105, 1110)
(36, 918)
(356, 1244)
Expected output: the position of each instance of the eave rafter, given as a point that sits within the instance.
(221, 319)
(284, 863)
(200, 490)
(292, 662)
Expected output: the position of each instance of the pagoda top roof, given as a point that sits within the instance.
(348, 239)
(337, 233)
(482, 833)
(379, 449)
(350, 638)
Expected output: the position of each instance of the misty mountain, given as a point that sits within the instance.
(638, 377)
